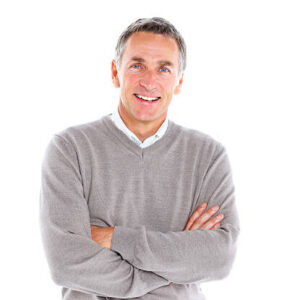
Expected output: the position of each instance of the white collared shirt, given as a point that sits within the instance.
(116, 118)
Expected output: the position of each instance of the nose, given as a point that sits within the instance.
(148, 80)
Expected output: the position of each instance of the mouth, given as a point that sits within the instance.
(147, 99)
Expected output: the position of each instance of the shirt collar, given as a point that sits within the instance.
(116, 118)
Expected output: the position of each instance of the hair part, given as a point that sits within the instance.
(155, 25)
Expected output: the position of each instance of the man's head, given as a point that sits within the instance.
(149, 62)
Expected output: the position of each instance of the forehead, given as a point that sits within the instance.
(151, 46)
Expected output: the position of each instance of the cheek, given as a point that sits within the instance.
(168, 88)
(131, 81)
(167, 82)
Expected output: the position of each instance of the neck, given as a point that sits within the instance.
(142, 129)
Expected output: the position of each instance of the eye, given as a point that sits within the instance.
(165, 70)
(136, 66)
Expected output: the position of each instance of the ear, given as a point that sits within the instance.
(179, 85)
(115, 77)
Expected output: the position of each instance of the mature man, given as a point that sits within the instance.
(128, 201)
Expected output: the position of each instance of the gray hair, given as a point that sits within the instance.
(154, 25)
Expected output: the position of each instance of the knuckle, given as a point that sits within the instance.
(217, 225)
(203, 218)
(214, 209)
(216, 219)
(195, 215)
(219, 217)
(195, 226)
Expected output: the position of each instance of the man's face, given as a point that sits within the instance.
(149, 68)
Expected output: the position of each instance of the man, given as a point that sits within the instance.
(128, 202)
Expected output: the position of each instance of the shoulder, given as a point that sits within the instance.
(84, 133)
(195, 138)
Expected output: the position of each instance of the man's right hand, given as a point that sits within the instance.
(202, 219)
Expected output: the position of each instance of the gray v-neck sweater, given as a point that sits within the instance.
(93, 174)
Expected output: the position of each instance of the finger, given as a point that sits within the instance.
(216, 226)
(204, 217)
(195, 215)
(212, 222)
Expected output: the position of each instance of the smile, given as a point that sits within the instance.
(147, 98)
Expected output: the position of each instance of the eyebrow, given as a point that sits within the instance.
(160, 62)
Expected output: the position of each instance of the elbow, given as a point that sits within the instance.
(226, 263)
(57, 279)
(58, 276)
(65, 276)
(227, 255)
(215, 263)
(57, 269)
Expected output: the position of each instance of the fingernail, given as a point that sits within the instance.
(215, 208)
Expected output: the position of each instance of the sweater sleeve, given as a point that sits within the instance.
(195, 255)
(75, 260)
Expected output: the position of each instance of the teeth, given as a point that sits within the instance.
(147, 98)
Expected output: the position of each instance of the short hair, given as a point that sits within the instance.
(155, 25)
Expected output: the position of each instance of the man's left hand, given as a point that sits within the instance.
(102, 236)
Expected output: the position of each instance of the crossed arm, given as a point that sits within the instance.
(76, 261)
(199, 219)
(180, 257)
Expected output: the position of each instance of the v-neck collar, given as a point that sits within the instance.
(140, 152)
(116, 118)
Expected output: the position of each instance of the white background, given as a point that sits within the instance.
(238, 87)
